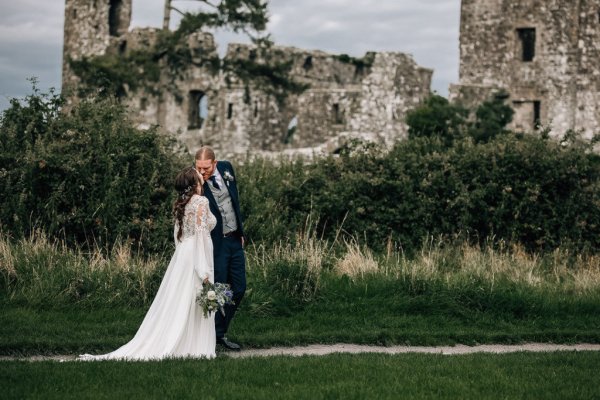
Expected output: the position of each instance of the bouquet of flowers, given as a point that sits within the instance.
(213, 297)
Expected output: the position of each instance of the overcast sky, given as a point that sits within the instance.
(31, 34)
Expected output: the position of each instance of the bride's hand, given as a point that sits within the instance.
(206, 280)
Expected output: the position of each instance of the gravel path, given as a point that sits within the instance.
(446, 350)
(320, 350)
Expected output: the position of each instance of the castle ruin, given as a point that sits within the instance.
(198, 106)
(544, 53)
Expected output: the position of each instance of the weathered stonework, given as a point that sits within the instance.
(553, 80)
(346, 97)
(92, 27)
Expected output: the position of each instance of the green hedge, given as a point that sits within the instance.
(519, 188)
(87, 176)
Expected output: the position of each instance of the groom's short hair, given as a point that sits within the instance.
(205, 153)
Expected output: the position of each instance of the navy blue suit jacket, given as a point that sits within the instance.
(217, 233)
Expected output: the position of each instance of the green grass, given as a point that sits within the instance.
(374, 311)
(55, 300)
(561, 375)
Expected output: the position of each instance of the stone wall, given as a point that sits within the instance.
(559, 85)
(365, 97)
(92, 27)
(395, 85)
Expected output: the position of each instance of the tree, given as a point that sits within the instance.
(88, 176)
(248, 16)
(167, 15)
(491, 118)
(112, 73)
(437, 117)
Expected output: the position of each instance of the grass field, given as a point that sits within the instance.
(424, 320)
(58, 302)
(561, 375)
(55, 300)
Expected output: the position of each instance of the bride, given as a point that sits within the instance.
(175, 325)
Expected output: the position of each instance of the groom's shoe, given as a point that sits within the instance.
(228, 345)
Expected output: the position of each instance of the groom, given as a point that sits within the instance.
(220, 187)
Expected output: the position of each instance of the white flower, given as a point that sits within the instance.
(227, 175)
(211, 295)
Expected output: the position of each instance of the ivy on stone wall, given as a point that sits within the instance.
(113, 74)
(360, 63)
(141, 69)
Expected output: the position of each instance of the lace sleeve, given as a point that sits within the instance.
(202, 215)
(203, 259)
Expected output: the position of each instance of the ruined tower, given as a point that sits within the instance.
(544, 53)
(91, 28)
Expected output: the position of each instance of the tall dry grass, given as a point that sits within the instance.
(460, 264)
(37, 271)
(294, 267)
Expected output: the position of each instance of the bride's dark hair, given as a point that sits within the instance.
(186, 184)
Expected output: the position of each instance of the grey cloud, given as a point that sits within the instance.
(428, 30)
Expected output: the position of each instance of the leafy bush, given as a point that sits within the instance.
(437, 117)
(455, 176)
(525, 189)
(90, 176)
(86, 176)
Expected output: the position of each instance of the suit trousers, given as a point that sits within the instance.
(230, 267)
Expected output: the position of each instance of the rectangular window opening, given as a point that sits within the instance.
(114, 17)
(337, 115)
(527, 43)
(537, 121)
(229, 110)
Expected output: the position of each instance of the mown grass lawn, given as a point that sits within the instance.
(76, 330)
(560, 375)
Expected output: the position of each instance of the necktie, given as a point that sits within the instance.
(213, 179)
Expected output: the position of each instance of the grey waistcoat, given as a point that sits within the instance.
(225, 207)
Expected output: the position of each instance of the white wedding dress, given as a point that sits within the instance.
(175, 325)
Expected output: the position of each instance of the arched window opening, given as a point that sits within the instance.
(307, 63)
(291, 129)
(198, 109)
